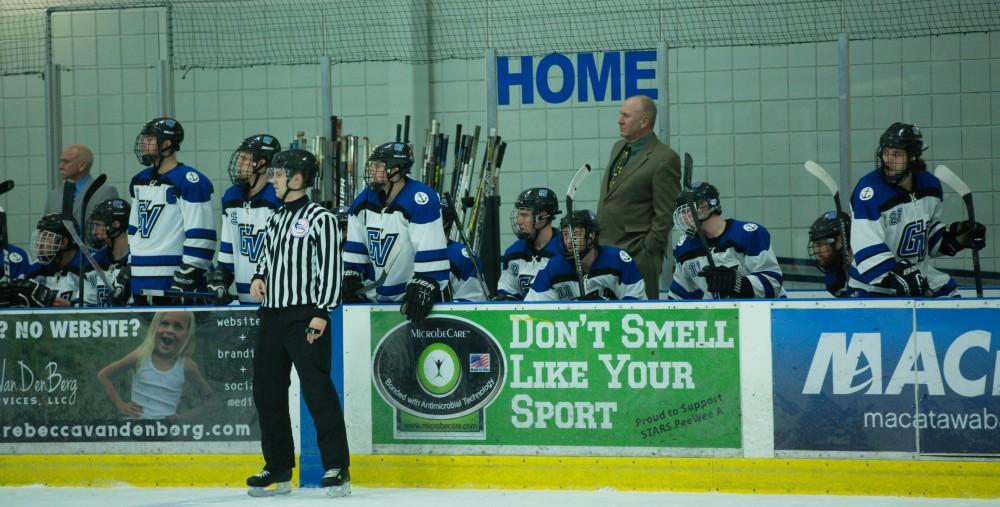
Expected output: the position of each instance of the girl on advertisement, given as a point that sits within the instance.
(162, 365)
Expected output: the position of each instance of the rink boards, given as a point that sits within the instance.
(887, 397)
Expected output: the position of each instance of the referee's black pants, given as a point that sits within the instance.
(281, 343)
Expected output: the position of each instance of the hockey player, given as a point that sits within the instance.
(608, 271)
(246, 206)
(57, 257)
(171, 230)
(826, 247)
(298, 283)
(745, 264)
(463, 279)
(537, 242)
(896, 225)
(395, 227)
(108, 223)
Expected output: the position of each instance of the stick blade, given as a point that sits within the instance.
(822, 175)
(688, 169)
(574, 184)
(952, 180)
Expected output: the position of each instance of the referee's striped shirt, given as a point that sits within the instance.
(301, 262)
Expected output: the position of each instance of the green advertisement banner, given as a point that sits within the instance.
(170, 375)
(587, 377)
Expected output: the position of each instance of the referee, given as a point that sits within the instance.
(298, 282)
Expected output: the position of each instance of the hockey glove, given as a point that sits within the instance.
(121, 287)
(32, 294)
(351, 290)
(419, 298)
(961, 235)
(726, 282)
(218, 284)
(187, 278)
(906, 280)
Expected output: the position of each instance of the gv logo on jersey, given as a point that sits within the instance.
(251, 244)
(148, 216)
(379, 247)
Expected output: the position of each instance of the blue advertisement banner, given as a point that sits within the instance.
(863, 380)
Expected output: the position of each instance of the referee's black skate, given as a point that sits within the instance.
(261, 481)
(337, 482)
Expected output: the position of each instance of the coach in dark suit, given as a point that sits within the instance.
(636, 207)
(74, 165)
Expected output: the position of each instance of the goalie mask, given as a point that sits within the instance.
(534, 209)
(825, 243)
(703, 196)
(149, 144)
(901, 136)
(249, 162)
(103, 218)
(581, 219)
(49, 239)
(386, 157)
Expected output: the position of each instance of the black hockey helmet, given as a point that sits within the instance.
(109, 212)
(296, 161)
(393, 155)
(581, 219)
(827, 226)
(254, 149)
(700, 194)
(907, 137)
(50, 238)
(161, 129)
(543, 205)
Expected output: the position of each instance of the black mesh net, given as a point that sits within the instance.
(238, 33)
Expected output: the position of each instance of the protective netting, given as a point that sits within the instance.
(237, 33)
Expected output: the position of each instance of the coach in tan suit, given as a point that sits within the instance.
(636, 207)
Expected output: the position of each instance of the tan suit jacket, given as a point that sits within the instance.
(636, 213)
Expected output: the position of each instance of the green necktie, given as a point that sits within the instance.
(619, 164)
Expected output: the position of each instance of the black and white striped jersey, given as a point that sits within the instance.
(301, 263)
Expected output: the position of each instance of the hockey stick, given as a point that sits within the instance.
(823, 176)
(574, 184)
(68, 222)
(180, 294)
(465, 242)
(952, 180)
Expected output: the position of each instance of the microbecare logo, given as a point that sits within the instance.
(441, 368)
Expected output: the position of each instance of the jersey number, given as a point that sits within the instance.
(913, 241)
(148, 216)
(379, 247)
(251, 244)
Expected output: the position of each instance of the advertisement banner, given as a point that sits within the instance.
(862, 380)
(127, 376)
(575, 377)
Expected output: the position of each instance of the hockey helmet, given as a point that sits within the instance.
(246, 160)
(160, 129)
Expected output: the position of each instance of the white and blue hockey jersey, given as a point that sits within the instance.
(170, 224)
(463, 276)
(15, 263)
(521, 263)
(403, 239)
(613, 275)
(745, 245)
(890, 224)
(64, 282)
(95, 291)
(243, 229)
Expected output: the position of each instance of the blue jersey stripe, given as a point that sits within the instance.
(201, 253)
(865, 253)
(155, 260)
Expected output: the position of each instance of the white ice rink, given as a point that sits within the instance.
(40, 496)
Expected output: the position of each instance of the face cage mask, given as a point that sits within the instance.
(235, 176)
(536, 219)
(684, 219)
(45, 245)
(589, 244)
(148, 159)
(832, 243)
